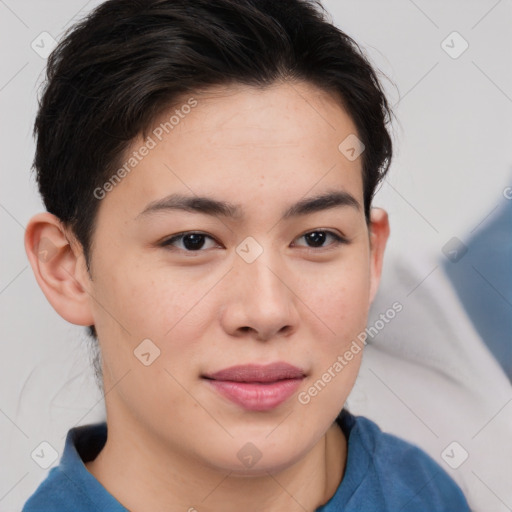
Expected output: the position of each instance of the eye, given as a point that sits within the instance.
(189, 241)
(192, 241)
(318, 237)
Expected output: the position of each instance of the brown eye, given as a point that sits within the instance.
(317, 238)
(190, 241)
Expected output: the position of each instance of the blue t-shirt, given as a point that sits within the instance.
(382, 473)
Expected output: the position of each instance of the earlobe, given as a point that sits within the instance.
(379, 234)
(59, 268)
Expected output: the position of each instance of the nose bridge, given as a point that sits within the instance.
(264, 278)
(261, 297)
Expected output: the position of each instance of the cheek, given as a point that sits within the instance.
(171, 309)
(149, 303)
(137, 307)
(341, 302)
(340, 298)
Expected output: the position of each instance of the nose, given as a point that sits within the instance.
(260, 300)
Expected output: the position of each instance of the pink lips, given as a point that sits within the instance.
(257, 387)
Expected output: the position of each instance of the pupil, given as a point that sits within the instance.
(193, 241)
(317, 237)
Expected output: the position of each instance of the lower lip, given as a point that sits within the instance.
(255, 396)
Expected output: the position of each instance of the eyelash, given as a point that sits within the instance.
(339, 240)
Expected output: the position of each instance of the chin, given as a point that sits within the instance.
(248, 459)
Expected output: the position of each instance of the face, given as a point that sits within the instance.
(254, 274)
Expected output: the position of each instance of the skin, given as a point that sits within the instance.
(172, 440)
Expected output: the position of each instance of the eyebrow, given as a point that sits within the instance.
(214, 207)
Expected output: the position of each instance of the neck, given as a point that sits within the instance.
(142, 475)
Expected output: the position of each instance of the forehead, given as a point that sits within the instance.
(284, 113)
(246, 143)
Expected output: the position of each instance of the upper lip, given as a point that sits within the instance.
(258, 373)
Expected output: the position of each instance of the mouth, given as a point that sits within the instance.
(258, 373)
(257, 387)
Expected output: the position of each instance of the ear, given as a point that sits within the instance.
(59, 268)
(379, 233)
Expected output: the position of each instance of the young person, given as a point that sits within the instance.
(208, 169)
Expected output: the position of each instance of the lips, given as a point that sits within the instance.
(257, 387)
(258, 373)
